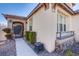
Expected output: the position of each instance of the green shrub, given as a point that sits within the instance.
(7, 30)
(69, 52)
(27, 35)
(30, 36)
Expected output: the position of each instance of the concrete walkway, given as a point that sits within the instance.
(23, 49)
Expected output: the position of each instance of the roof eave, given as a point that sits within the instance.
(39, 5)
(13, 16)
(68, 8)
(34, 10)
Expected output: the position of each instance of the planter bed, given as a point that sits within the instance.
(8, 49)
(55, 53)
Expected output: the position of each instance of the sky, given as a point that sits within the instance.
(20, 9)
(76, 7)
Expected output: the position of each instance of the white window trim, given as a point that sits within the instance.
(62, 21)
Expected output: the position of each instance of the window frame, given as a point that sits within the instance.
(30, 24)
(61, 22)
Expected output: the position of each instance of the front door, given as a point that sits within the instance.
(18, 30)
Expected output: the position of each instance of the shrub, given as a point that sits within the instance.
(8, 36)
(30, 36)
(27, 35)
(69, 52)
(8, 33)
(7, 30)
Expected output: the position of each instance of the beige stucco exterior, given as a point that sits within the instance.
(45, 27)
(75, 26)
(42, 9)
(11, 20)
(44, 23)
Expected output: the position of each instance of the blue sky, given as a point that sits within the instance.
(76, 7)
(20, 9)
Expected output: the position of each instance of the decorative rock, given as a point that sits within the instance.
(75, 48)
(8, 49)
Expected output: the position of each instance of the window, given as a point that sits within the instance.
(30, 25)
(30, 28)
(61, 22)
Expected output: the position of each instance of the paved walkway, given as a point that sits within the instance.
(22, 48)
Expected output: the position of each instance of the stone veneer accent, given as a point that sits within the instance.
(65, 45)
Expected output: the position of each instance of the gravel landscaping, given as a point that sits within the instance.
(8, 49)
(42, 53)
(75, 51)
(74, 48)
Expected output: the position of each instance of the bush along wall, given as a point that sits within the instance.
(69, 52)
(30, 36)
(27, 35)
(8, 33)
(7, 30)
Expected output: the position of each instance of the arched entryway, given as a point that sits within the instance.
(18, 29)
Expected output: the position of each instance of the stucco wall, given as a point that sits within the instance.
(42, 9)
(27, 25)
(28, 21)
(75, 26)
(45, 25)
(16, 20)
